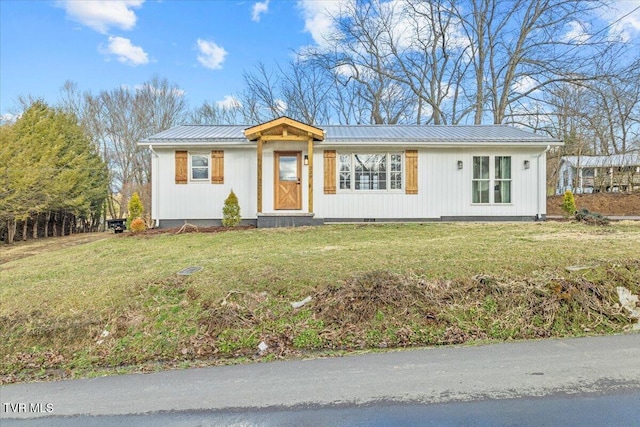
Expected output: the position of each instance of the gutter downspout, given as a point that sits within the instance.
(539, 213)
(154, 187)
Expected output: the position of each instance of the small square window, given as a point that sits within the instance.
(199, 167)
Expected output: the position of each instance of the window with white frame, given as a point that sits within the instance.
(480, 183)
(483, 179)
(199, 164)
(370, 171)
(502, 184)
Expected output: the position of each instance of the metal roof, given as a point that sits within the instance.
(360, 134)
(612, 161)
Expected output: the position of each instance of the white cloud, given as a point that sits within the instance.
(125, 52)
(259, 9)
(229, 102)
(524, 84)
(281, 106)
(318, 19)
(578, 33)
(9, 118)
(211, 55)
(624, 18)
(100, 15)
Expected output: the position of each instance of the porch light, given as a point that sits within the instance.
(459, 164)
(527, 164)
(306, 160)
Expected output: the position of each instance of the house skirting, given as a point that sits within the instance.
(173, 223)
(440, 219)
(288, 220)
(301, 220)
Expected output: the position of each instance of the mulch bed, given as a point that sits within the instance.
(188, 228)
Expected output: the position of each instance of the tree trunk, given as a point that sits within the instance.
(25, 226)
(64, 224)
(11, 230)
(46, 224)
(54, 226)
(34, 234)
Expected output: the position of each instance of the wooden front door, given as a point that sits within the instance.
(288, 189)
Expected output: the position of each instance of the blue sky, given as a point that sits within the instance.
(202, 46)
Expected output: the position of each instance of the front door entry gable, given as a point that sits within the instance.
(284, 129)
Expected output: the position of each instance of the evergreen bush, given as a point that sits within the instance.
(138, 225)
(568, 204)
(135, 209)
(231, 211)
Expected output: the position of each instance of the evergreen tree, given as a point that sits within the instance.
(135, 209)
(231, 211)
(49, 167)
(568, 204)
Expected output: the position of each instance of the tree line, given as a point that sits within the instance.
(52, 179)
(538, 64)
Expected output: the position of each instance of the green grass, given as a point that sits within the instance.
(54, 306)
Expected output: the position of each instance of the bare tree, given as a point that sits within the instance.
(261, 99)
(358, 56)
(217, 114)
(117, 119)
(520, 47)
(306, 89)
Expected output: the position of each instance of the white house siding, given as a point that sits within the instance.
(443, 189)
(203, 201)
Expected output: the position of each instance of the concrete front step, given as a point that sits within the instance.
(271, 220)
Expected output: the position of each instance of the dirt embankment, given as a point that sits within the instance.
(603, 203)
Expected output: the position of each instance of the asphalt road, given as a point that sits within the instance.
(579, 372)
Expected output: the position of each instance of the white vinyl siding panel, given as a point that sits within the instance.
(201, 199)
(443, 189)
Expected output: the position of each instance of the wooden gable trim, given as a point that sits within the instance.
(329, 172)
(217, 167)
(411, 169)
(182, 170)
(255, 132)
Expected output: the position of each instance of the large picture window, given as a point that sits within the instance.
(199, 167)
(375, 171)
(483, 179)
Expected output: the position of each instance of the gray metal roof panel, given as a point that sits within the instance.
(614, 160)
(341, 134)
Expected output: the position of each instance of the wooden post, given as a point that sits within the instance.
(310, 171)
(260, 175)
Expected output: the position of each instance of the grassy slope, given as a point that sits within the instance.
(54, 306)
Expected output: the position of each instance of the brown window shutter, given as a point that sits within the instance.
(217, 167)
(182, 171)
(329, 172)
(411, 168)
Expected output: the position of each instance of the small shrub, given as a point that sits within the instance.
(568, 204)
(135, 209)
(592, 218)
(231, 211)
(138, 225)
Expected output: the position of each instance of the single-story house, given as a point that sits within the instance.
(286, 173)
(588, 174)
